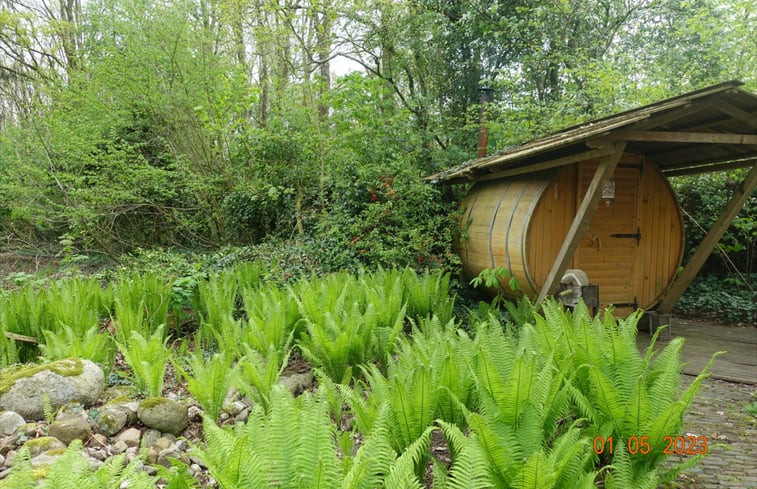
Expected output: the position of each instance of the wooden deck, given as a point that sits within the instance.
(739, 364)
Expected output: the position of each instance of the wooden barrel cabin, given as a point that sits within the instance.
(631, 249)
(592, 203)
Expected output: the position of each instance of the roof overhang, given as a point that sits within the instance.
(711, 129)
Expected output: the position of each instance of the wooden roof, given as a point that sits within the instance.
(711, 129)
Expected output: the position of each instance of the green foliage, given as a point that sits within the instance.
(76, 303)
(348, 325)
(141, 304)
(428, 294)
(215, 307)
(209, 380)
(342, 340)
(518, 406)
(494, 279)
(703, 197)
(147, 358)
(9, 354)
(258, 374)
(260, 453)
(726, 300)
(427, 381)
(619, 391)
(524, 407)
(273, 318)
(72, 470)
(383, 216)
(251, 214)
(66, 343)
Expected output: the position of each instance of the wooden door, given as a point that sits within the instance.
(607, 252)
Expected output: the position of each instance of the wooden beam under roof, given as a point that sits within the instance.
(681, 137)
(703, 251)
(666, 118)
(675, 159)
(546, 165)
(708, 167)
(581, 222)
(712, 123)
(734, 112)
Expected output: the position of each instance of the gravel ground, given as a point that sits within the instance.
(718, 413)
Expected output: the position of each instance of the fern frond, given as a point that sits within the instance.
(605, 394)
(536, 473)
(402, 473)
(315, 463)
(638, 410)
(374, 458)
(665, 374)
(469, 468)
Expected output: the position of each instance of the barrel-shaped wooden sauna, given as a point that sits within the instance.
(632, 249)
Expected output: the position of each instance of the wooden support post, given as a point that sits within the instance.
(582, 220)
(703, 251)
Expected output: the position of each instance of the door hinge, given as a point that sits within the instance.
(636, 235)
(634, 304)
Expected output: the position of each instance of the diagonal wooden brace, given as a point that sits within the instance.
(581, 222)
(703, 251)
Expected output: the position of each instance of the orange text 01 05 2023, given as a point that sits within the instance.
(672, 445)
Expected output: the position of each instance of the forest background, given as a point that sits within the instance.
(129, 126)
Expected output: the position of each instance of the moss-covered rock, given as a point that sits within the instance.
(10, 422)
(24, 389)
(70, 428)
(112, 419)
(43, 444)
(165, 415)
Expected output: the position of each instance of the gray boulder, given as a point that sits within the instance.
(165, 415)
(130, 437)
(10, 422)
(44, 444)
(70, 428)
(297, 383)
(23, 389)
(112, 420)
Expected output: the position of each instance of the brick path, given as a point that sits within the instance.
(718, 413)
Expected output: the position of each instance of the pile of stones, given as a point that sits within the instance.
(46, 407)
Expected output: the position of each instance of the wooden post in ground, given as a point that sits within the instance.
(581, 222)
(703, 251)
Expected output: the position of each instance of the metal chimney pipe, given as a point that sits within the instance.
(483, 130)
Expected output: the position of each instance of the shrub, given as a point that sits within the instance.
(254, 212)
(726, 300)
(385, 216)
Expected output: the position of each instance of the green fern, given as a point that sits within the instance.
(66, 343)
(428, 295)
(215, 306)
(209, 380)
(72, 471)
(469, 468)
(273, 318)
(258, 374)
(426, 381)
(147, 358)
(620, 392)
(226, 334)
(261, 454)
(344, 339)
(145, 298)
